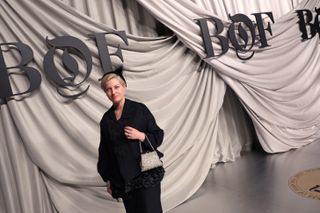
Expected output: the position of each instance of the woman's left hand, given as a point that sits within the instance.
(133, 134)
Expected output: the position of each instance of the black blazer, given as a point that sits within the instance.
(119, 157)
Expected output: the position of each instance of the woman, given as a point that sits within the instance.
(122, 127)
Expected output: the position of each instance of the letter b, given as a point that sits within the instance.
(305, 18)
(32, 74)
(206, 37)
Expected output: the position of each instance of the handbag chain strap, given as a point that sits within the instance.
(148, 142)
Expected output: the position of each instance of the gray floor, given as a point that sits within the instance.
(256, 183)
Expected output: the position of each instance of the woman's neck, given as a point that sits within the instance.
(119, 106)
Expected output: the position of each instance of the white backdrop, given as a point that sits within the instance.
(49, 144)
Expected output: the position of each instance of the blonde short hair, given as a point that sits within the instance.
(110, 76)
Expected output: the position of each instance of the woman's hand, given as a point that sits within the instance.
(109, 190)
(133, 134)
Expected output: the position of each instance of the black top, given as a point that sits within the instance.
(119, 157)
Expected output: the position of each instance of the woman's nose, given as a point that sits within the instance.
(113, 91)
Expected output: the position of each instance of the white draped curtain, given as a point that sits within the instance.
(48, 145)
(277, 86)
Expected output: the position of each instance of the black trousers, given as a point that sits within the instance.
(144, 200)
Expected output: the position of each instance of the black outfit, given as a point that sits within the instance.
(119, 158)
(143, 200)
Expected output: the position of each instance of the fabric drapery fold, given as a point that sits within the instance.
(282, 97)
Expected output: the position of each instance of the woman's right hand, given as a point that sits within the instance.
(109, 190)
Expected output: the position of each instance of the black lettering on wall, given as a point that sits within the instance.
(307, 28)
(69, 45)
(105, 55)
(206, 36)
(241, 34)
(32, 74)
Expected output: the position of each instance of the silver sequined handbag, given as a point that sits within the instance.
(149, 160)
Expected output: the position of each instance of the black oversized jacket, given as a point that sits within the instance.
(119, 157)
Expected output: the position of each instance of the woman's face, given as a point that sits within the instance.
(115, 91)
